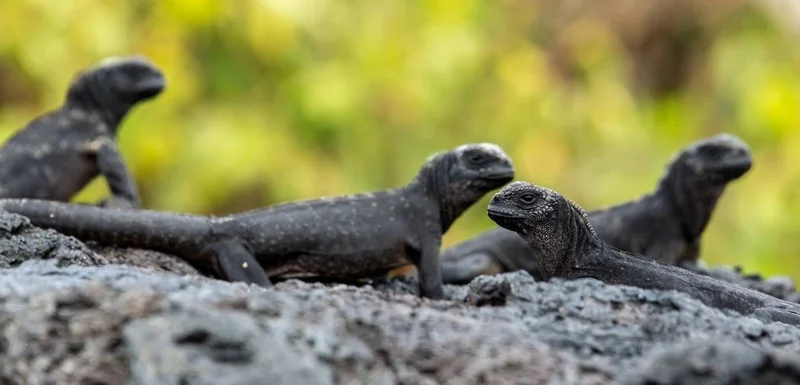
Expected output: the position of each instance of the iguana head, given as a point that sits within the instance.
(480, 167)
(715, 160)
(552, 226)
(459, 177)
(116, 84)
(697, 177)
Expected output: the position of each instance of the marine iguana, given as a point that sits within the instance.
(566, 245)
(345, 237)
(665, 225)
(56, 155)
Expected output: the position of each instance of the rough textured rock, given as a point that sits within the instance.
(779, 286)
(112, 323)
(144, 258)
(20, 241)
(697, 362)
(169, 349)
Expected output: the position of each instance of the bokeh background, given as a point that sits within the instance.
(277, 100)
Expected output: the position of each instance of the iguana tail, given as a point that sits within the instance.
(173, 233)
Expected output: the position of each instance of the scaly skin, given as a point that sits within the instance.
(346, 237)
(56, 155)
(559, 233)
(665, 225)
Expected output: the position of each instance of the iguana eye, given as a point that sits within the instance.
(710, 151)
(476, 157)
(527, 198)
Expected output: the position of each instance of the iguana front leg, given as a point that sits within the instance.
(113, 168)
(234, 261)
(691, 254)
(429, 268)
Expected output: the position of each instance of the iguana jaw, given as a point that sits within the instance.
(731, 169)
(503, 175)
(505, 215)
(150, 87)
(498, 177)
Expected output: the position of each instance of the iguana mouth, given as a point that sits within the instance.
(733, 169)
(506, 175)
(150, 87)
(502, 212)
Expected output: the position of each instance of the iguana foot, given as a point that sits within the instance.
(432, 293)
(234, 261)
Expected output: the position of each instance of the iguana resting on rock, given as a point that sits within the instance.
(559, 233)
(346, 237)
(665, 225)
(58, 154)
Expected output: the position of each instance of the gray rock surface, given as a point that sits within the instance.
(68, 317)
(22, 241)
(696, 362)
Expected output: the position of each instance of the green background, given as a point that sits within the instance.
(271, 101)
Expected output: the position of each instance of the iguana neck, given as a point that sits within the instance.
(96, 99)
(584, 247)
(572, 247)
(691, 200)
(433, 181)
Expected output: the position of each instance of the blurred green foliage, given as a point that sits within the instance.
(278, 100)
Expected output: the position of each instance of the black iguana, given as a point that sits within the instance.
(559, 233)
(346, 237)
(58, 154)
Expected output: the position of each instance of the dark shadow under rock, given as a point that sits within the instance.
(20, 241)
